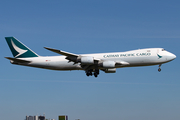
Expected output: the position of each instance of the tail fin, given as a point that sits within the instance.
(18, 49)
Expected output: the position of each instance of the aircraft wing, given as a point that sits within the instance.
(61, 52)
(70, 56)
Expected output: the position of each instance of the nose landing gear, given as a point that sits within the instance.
(159, 68)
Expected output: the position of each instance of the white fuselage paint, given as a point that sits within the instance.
(141, 57)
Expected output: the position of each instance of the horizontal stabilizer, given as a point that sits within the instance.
(17, 60)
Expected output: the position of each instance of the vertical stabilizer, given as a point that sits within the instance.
(18, 49)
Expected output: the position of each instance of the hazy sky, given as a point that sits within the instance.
(90, 26)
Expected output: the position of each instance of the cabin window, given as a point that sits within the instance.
(163, 50)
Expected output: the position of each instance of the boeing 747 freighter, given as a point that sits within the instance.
(90, 63)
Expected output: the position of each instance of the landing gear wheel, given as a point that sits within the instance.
(87, 74)
(91, 71)
(95, 75)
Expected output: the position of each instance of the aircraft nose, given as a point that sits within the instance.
(171, 56)
(174, 56)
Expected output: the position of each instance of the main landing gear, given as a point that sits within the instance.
(90, 72)
(159, 68)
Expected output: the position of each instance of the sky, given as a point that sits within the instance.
(90, 26)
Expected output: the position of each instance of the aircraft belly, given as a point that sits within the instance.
(56, 65)
(139, 61)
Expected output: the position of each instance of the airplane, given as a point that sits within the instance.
(90, 63)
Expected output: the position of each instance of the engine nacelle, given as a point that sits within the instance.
(87, 60)
(108, 64)
(110, 70)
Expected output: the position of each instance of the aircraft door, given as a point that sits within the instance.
(157, 51)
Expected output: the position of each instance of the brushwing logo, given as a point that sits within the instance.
(159, 56)
(19, 50)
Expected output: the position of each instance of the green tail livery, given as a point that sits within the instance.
(18, 49)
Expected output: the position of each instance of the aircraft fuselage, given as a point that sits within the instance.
(90, 63)
(141, 57)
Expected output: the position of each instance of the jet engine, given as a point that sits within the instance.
(108, 64)
(87, 60)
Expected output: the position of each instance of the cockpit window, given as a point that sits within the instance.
(163, 50)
